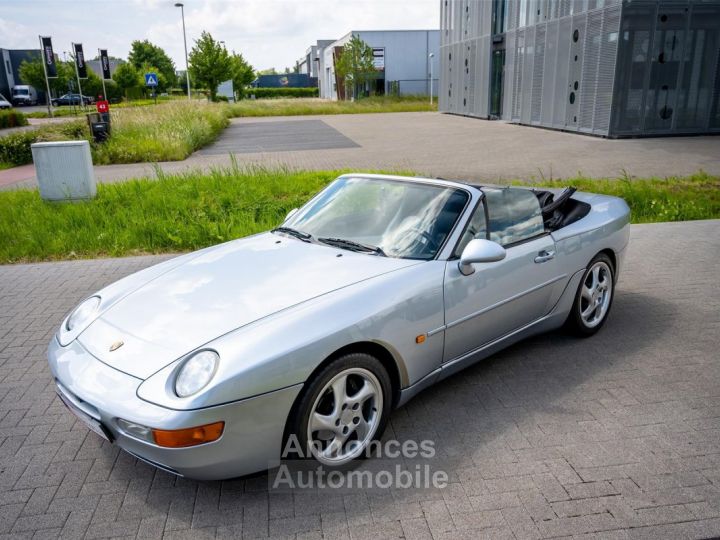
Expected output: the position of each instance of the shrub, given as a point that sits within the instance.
(15, 148)
(12, 118)
(263, 93)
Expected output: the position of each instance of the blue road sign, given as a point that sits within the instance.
(151, 79)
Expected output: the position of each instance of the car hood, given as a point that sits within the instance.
(220, 290)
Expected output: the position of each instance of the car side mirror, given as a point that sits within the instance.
(479, 251)
(291, 213)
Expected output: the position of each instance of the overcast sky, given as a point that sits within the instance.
(269, 33)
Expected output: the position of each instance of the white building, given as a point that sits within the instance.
(402, 57)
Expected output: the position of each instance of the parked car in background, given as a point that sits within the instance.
(72, 99)
(24, 94)
(4, 103)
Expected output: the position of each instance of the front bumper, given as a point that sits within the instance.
(251, 441)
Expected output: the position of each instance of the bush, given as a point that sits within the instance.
(12, 118)
(263, 93)
(15, 148)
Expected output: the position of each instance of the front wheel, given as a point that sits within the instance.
(594, 297)
(344, 408)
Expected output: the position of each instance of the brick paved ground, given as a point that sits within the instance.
(618, 435)
(434, 144)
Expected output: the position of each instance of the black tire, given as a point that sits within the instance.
(299, 421)
(576, 323)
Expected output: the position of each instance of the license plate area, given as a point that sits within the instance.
(93, 425)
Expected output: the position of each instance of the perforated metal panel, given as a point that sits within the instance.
(562, 67)
(508, 77)
(589, 77)
(550, 69)
(607, 62)
(519, 69)
(537, 75)
(575, 63)
(482, 70)
(529, 62)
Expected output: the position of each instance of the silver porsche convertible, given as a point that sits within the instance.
(378, 287)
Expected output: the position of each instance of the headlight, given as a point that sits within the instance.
(82, 313)
(195, 373)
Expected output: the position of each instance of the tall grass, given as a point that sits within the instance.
(173, 213)
(301, 106)
(168, 132)
(192, 210)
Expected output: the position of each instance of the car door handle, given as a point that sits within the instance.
(544, 256)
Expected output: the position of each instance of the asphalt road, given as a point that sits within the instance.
(616, 436)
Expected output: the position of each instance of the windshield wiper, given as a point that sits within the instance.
(353, 246)
(305, 237)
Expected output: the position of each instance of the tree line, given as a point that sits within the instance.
(210, 65)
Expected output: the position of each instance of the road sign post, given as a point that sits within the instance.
(151, 81)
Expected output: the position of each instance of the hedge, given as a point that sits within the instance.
(15, 148)
(12, 118)
(262, 93)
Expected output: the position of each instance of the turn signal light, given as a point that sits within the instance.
(182, 438)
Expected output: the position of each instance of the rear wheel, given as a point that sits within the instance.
(594, 297)
(344, 408)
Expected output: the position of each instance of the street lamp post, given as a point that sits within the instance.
(430, 58)
(187, 66)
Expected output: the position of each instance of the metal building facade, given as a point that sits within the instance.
(604, 67)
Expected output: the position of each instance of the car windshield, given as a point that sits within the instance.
(409, 220)
(20, 92)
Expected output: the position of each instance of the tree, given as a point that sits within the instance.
(126, 77)
(32, 73)
(355, 65)
(269, 71)
(144, 53)
(210, 64)
(242, 74)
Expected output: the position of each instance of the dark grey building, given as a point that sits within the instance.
(614, 68)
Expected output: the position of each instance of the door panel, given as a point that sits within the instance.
(498, 297)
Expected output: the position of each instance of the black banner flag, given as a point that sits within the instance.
(105, 63)
(80, 61)
(49, 57)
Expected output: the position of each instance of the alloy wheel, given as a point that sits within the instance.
(596, 294)
(345, 416)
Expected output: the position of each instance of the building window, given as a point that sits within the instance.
(498, 16)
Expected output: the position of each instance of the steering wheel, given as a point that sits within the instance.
(431, 243)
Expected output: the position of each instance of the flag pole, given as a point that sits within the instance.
(77, 74)
(47, 81)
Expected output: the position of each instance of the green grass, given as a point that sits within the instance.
(657, 199)
(192, 210)
(4, 165)
(305, 106)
